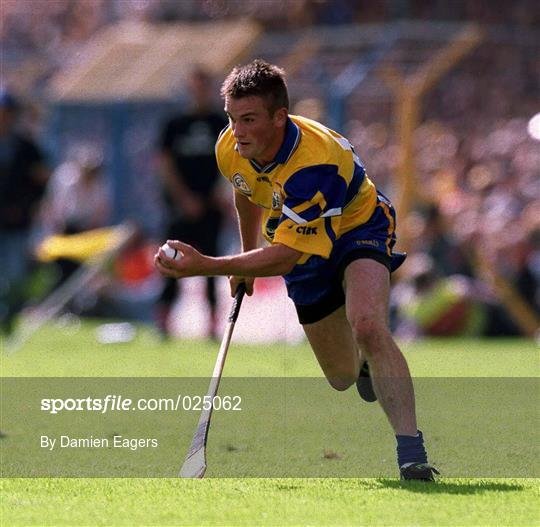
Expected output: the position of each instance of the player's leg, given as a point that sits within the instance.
(164, 306)
(320, 304)
(333, 344)
(367, 285)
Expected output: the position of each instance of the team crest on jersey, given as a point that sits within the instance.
(240, 184)
(277, 202)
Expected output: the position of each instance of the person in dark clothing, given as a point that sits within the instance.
(23, 176)
(190, 182)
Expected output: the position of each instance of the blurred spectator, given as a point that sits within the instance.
(190, 183)
(77, 198)
(528, 279)
(430, 304)
(436, 239)
(23, 176)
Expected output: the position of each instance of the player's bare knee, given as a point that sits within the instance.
(341, 383)
(367, 328)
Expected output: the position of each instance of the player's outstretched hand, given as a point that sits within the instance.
(235, 281)
(187, 262)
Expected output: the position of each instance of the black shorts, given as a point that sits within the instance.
(335, 298)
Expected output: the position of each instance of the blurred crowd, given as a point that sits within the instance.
(38, 37)
(477, 165)
(477, 174)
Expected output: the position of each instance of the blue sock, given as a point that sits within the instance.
(410, 449)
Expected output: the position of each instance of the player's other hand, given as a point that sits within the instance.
(235, 281)
(189, 262)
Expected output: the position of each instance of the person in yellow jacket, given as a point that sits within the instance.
(433, 305)
(331, 236)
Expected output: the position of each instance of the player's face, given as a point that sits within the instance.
(258, 134)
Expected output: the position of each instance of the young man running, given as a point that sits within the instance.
(331, 235)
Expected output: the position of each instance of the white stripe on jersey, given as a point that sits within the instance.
(292, 215)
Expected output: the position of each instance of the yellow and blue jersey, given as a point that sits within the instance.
(314, 192)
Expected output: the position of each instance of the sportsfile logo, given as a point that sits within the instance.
(119, 403)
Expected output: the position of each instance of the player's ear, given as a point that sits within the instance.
(280, 117)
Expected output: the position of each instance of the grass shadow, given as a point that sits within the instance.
(449, 487)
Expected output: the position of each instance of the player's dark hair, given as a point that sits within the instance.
(258, 78)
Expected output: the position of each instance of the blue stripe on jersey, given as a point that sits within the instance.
(310, 214)
(329, 230)
(305, 183)
(359, 175)
(267, 168)
(290, 142)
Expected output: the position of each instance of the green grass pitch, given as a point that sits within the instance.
(261, 501)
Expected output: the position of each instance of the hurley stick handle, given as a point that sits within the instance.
(238, 297)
